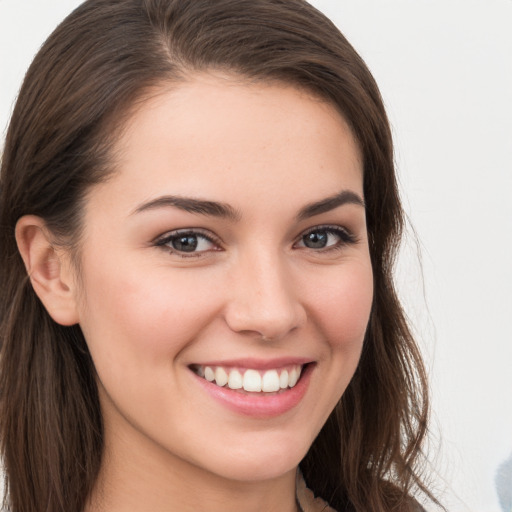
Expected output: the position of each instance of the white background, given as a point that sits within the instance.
(445, 71)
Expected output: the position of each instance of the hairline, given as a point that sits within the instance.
(116, 122)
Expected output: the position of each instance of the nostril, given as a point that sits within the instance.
(263, 302)
(263, 323)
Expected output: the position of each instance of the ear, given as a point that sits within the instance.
(49, 269)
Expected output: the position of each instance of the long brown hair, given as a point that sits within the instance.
(76, 95)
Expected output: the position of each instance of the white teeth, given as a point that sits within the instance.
(292, 378)
(283, 379)
(270, 381)
(221, 377)
(235, 380)
(209, 374)
(253, 381)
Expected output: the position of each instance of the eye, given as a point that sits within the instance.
(325, 237)
(187, 242)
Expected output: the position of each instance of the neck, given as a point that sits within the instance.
(142, 477)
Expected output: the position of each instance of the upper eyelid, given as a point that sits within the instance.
(163, 239)
(215, 239)
(346, 237)
(327, 227)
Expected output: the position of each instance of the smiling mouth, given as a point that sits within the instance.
(251, 380)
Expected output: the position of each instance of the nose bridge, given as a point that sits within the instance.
(264, 298)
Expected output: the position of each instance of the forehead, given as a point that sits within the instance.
(216, 134)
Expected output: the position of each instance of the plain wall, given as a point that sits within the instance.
(445, 72)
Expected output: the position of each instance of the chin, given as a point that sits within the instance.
(256, 471)
(263, 461)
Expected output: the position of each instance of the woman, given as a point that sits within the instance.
(199, 217)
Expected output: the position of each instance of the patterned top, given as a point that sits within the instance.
(306, 500)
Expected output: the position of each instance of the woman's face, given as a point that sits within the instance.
(230, 244)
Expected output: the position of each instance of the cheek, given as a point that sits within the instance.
(115, 309)
(132, 316)
(341, 307)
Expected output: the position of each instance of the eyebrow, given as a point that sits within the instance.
(223, 210)
(330, 203)
(192, 205)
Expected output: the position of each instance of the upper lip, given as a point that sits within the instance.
(257, 364)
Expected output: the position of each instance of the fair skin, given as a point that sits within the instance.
(260, 281)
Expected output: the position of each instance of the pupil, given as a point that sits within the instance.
(316, 240)
(186, 243)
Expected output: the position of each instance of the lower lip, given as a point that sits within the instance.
(260, 405)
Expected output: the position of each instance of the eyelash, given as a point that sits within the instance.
(344, 236)
(168, 238)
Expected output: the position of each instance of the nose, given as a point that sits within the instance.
(264, 300)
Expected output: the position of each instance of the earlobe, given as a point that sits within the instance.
(48, 269)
